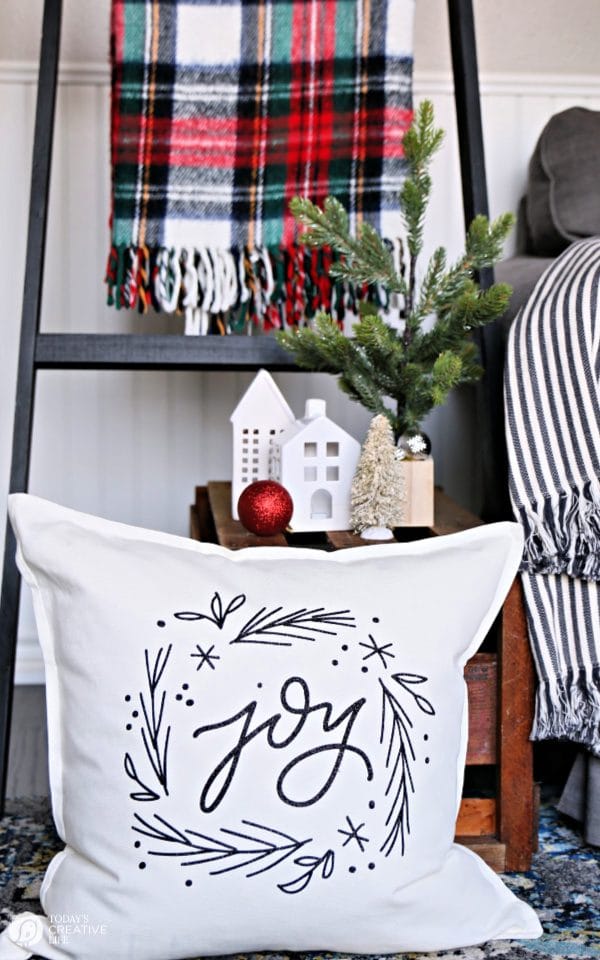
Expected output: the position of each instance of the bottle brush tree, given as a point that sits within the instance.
(378, 486)
(402, 373)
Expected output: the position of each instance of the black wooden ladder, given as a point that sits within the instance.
(43, 351)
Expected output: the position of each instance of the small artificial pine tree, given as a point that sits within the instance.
(413, 368)
(378, 486)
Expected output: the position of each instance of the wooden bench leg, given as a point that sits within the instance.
(516, 797)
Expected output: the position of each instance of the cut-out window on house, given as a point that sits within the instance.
(310, 474)
(310, 449)
(333, 449)
(332, 473)
(320, 505)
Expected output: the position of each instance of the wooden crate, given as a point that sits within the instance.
(501, 827)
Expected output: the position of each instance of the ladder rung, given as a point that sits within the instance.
(97, 351)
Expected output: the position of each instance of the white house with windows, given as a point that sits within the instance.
(315, 460)
(260, 416)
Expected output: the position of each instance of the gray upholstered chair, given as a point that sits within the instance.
(561, 205)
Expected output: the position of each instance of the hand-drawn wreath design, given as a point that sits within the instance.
(253, 847)
(257, 848)
(154, 739)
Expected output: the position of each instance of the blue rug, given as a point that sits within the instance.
(563, 885)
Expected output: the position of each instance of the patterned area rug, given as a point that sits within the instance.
(563, 885)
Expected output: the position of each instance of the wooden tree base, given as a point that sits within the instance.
(418, 482)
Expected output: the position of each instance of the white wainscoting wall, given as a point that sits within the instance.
(132, 446)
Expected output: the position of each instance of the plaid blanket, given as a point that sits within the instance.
(221, 113)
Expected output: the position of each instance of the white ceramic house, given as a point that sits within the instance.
(315, 460)
(258, 419)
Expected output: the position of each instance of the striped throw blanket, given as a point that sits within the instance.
(553, 435)
(221, 113)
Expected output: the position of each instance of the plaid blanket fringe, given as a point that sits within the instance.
(233, 291)
(221, 113)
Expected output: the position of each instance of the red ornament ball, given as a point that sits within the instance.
(265, 508)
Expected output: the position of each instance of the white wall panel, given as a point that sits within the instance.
(131, 446)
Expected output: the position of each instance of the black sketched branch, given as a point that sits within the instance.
(258, 847)
(325, 864)
(397, 725)
(407, 681)
(218, 613)
(145, 792)
(155, 736)
(301, 624)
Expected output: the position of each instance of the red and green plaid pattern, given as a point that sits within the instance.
(221, 113)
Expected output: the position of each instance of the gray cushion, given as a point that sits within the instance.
(563, 194)
(522, 273)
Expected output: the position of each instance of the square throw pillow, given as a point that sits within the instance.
(260, 750)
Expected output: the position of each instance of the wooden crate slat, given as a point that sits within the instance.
(450, 517)
(344, 539)
(230, 532)
(477, 817)
(491, 850)
(515, 711)
(194, 524)
(202, 518)
(481, 674)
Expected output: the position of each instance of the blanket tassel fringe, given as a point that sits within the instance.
(236, 291)
(568, 708)
(562, 535)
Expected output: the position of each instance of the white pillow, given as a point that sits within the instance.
(260, 750)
